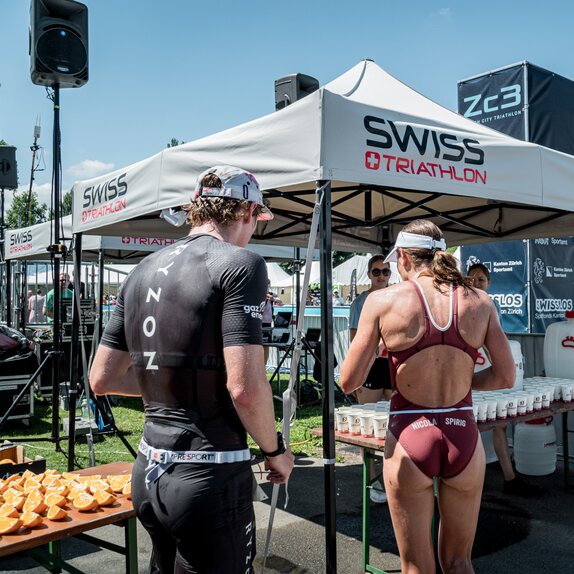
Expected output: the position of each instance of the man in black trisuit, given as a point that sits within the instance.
(186, 336)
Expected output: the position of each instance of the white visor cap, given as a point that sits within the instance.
(407, 240)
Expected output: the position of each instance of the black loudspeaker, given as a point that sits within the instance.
(58, 43)
(291, 88)
(8, 169)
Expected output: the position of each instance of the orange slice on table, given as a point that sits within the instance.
(29, 474)
(88, 478)
(8, 524)
(104, 498)
(31, 519)
(9, 511)
(85, 502)
(52, 480)
(127, 490)
(70, 475)
(62, 489)
(56, 513)
(14, 498)
(50, 471)
(118, 481)
(33, 484)
(55, 499)
(6, 461)
(99, 484)
(34, 505)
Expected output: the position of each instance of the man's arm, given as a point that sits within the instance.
(251, 395)
(112, 373)
(365, 342)
(502, 372)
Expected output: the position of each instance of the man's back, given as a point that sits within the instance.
(180, 307)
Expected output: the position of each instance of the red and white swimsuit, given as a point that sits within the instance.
(440, 441)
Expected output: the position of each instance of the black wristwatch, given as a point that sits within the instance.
(279, 450)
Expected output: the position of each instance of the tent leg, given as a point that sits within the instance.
(327, 374)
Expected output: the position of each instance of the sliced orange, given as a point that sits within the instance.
(6, 461)
(8, 525)
(56, 513)
(29, 474)
(70, 475)
(104, 498)
(15, 498)
(99, 484)
(88, 478)
(50, 471)
(62, 489)
(52, 480)
(8, 510)
(55, 499)
(85, 502)
(31, 519)
(33, 484)
(118, 481)
(127, 490)
(37, 506)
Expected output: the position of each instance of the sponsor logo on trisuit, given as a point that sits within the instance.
(105, 198)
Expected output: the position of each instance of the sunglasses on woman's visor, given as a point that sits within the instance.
(376, 272)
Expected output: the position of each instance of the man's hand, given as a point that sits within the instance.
(280, 467)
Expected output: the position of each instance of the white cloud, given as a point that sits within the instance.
(43, 191)
(442, 14)
(89, 168)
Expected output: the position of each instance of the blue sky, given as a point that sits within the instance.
(185, 68)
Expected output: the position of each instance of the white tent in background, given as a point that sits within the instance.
(342, 274)
(277, 276)
(314, 278)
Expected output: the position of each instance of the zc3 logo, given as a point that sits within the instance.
(508, 97)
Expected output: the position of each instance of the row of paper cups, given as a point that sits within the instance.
(368, 420)
(535, 396)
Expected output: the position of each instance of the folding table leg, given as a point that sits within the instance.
(130, 532)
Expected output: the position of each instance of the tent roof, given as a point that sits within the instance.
(342, 273)
(391, 154)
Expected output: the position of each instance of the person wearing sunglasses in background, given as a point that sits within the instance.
(378, 382)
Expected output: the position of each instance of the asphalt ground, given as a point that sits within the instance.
(515, 535)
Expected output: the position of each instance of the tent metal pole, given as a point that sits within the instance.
(75, 366)
(8, 263)
(100, 306)
(327, 375)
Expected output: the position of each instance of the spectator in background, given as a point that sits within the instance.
(65, 293)
(35, 305)
(337, 299)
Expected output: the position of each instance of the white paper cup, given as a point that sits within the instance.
(537, 401)
(475, 410)
(380, 425)
(521, 403)
(566, 392)
(491, 405)
(355, 422)
(512, 406)
(529, 402)
(342, 421)
(481, 412)
(547, 392)
(366, 425)
(501, 408)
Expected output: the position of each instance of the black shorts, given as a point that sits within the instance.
(379, 376)
(200, 517)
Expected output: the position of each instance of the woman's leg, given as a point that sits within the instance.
(411, 502)
(500, 442)
(459, 505)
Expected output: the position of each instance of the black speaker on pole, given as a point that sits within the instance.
(291, 88)
(59, 43)
(8, 169)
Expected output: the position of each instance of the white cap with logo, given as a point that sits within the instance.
(236, 183)
(408, 240)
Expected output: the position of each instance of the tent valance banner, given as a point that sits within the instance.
(507, 262)
(552, 280)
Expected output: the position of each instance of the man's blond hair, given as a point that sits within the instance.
(221, 210)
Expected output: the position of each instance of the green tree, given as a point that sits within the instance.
(175, 142)
(65, 206)
(20, 215)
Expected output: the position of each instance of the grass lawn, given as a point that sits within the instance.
(128, 415)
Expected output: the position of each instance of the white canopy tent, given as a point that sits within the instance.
(378, 154)
(342, 274)
(277, 276)
(390, 154)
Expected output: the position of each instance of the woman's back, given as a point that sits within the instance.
(438, 375)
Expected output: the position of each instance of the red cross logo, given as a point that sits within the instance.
(372, 160)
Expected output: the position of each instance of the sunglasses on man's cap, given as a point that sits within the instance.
(377, 272)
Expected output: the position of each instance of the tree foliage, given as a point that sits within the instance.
(175, 142)
(20, 215)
